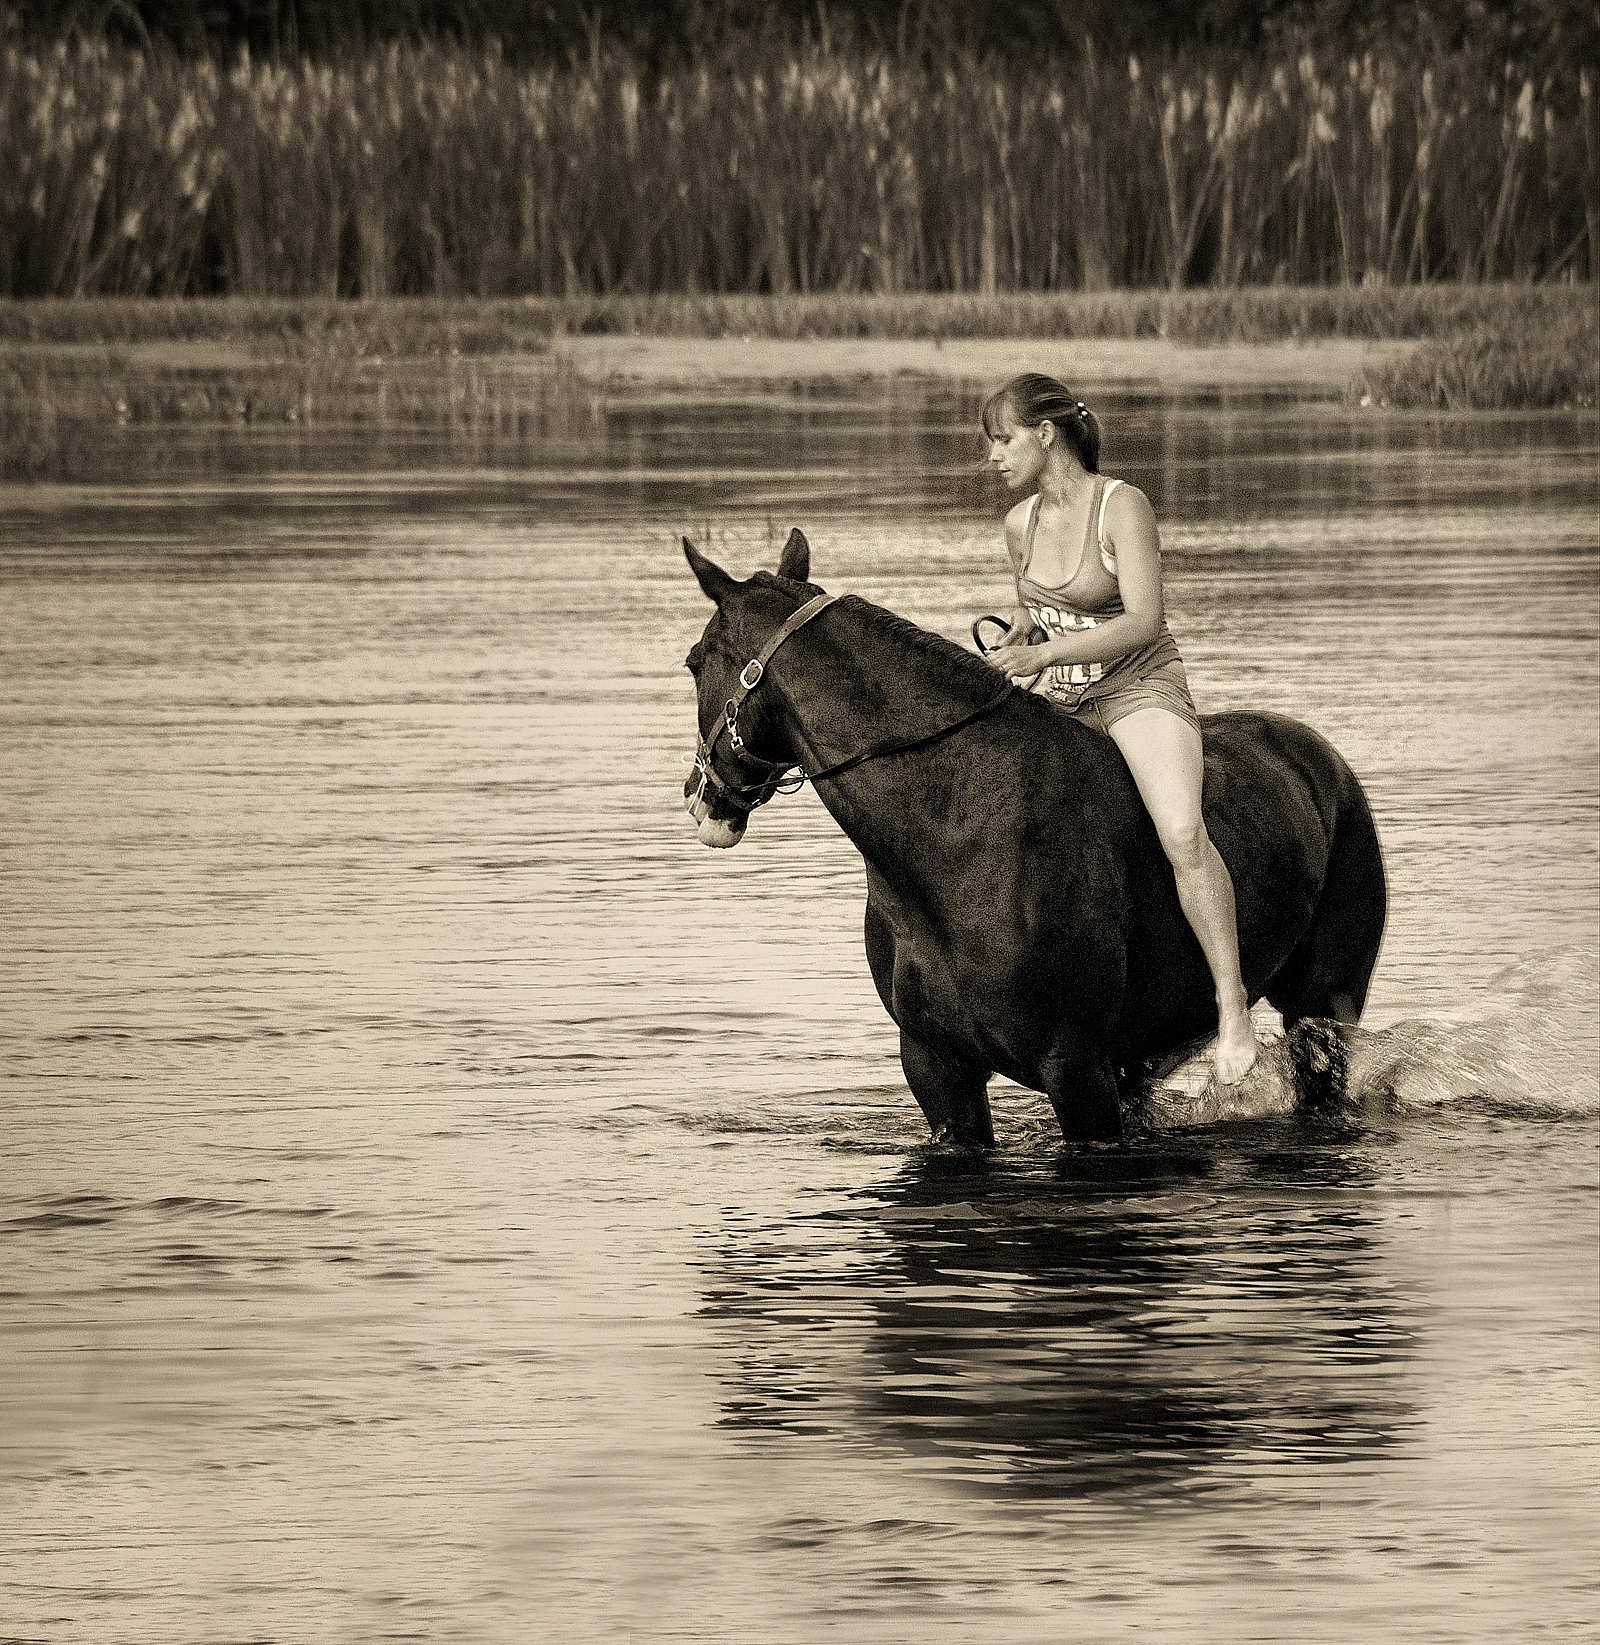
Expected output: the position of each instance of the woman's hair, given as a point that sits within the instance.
(1032, 399)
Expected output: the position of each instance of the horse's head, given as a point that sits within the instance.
(743, 755)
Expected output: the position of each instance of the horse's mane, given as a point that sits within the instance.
(948, 662)
(786, 585)
(941, 662)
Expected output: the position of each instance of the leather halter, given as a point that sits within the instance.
(750, 676)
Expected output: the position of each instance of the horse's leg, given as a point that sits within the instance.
(1083, 1092)
(952, 1092)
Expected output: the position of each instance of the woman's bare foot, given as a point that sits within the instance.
(1236, 1049)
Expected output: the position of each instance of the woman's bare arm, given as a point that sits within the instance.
(1021, 619)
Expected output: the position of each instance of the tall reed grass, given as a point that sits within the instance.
(438, 170)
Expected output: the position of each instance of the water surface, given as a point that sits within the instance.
(443, 1201)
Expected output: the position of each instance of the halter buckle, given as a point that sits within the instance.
(745, 679)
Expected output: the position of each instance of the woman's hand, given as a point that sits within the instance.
(1018, 662)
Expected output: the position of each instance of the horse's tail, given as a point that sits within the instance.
(1328, 971)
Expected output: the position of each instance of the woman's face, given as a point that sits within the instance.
(1018, 453)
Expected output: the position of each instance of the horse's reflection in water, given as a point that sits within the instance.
(1149, 1324)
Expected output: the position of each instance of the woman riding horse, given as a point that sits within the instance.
(1087, 563)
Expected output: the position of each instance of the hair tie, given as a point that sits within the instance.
(1083, 410)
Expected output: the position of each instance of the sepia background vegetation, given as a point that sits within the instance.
(305, 151)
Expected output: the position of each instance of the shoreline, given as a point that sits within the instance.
(1324, 365)
(70, 368)
(1321, 363)
(1438, 348)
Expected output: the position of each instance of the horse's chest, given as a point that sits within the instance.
(924, 979)
(997, 965)
(929, 976)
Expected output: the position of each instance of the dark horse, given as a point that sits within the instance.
(1021, 916)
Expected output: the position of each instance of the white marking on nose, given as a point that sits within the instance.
(719, 835)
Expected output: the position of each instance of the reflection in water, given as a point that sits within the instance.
(1137, 1325)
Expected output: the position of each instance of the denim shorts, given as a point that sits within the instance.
(1165, 687)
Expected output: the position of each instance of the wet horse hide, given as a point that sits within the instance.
(1021, 917)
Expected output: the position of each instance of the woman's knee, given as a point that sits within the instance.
(1185, 840)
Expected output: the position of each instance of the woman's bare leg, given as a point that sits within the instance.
(1164, 754)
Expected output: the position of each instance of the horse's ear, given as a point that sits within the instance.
(714, 582)
(796, 561)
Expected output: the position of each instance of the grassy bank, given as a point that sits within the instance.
(1525, 363)
(421, 326)
(69, 368)
(59, 408)
(818, 168)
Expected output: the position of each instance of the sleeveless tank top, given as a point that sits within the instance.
(1073, 607)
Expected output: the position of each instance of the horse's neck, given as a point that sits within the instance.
(869, 686)
(868, 678)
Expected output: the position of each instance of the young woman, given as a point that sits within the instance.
(1087, 560)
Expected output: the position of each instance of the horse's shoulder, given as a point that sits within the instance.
(1072, 766)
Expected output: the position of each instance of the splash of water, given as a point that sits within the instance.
(1535, 1051)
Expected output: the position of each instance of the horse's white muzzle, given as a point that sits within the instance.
(718, 835)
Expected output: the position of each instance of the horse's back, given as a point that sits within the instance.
(1266, 772)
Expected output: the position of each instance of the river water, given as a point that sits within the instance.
(442, 1201)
